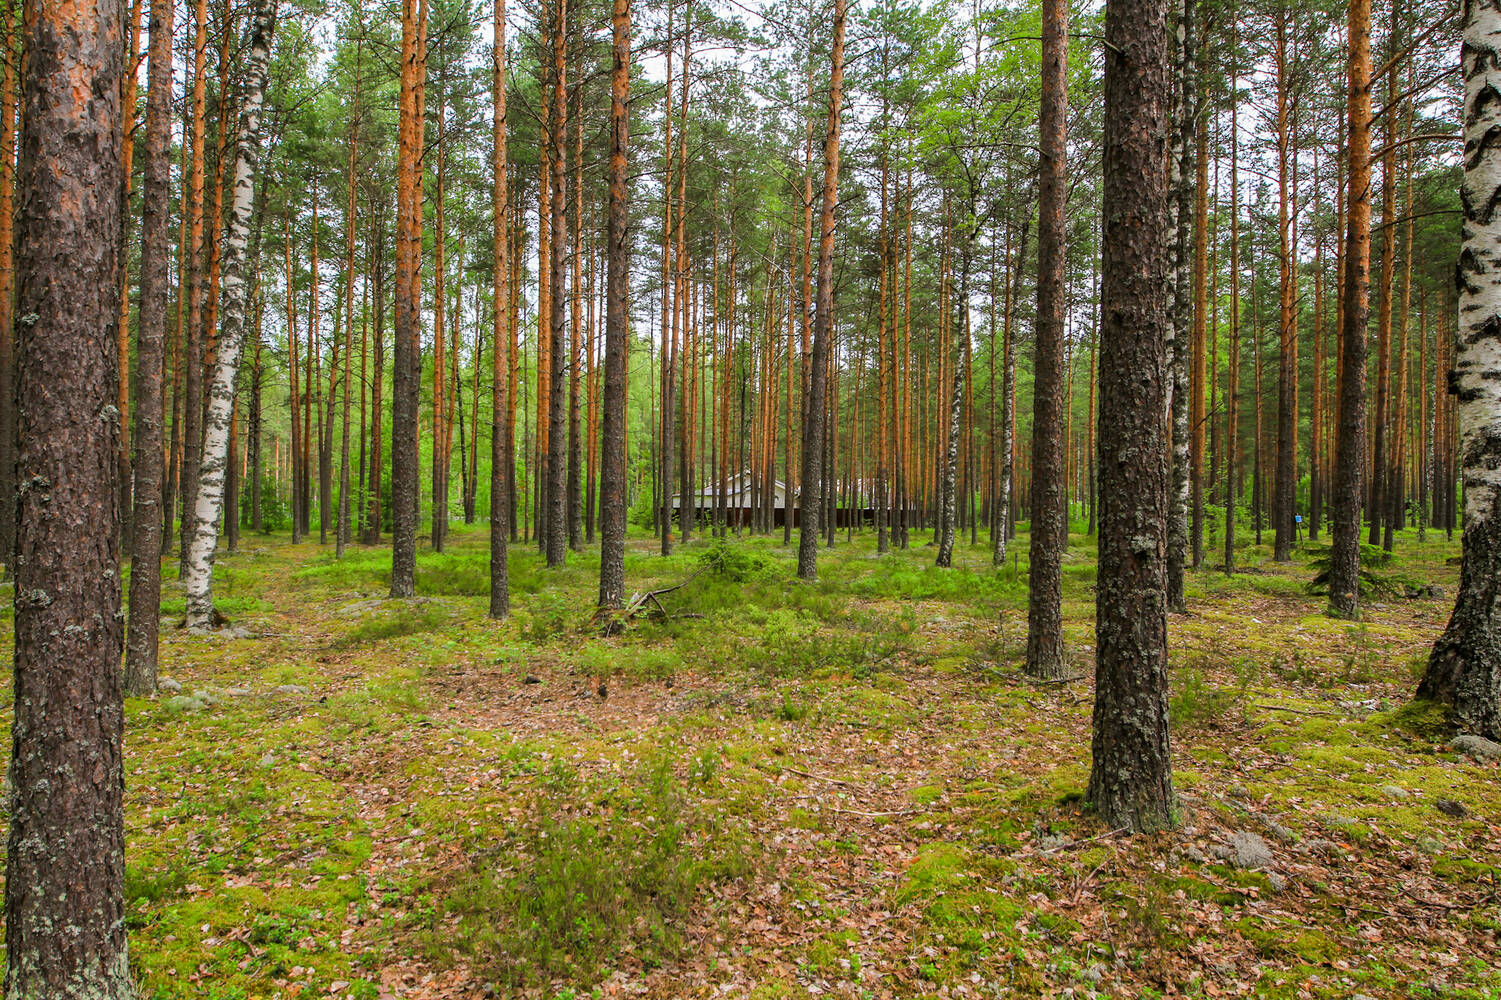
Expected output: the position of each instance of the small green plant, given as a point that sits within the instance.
(1196, 703)
(1373, 558)
(550, 616)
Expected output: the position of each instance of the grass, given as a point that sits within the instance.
(787, 789)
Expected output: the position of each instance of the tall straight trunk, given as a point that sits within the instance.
(65, 864)
(947, 499)
(1464, 671)
(440, 465)
(612, 509)
(556, 500)
(122, 339)
(192, 435)
(1182, 321)
(1285, 479)
(813, 430)
(342, 536)
(1130, 782)
(1381, 419)
(1349, 469)
(292, 390)
(665, 419)
(156, 209)
(405, 389)
(11, 59)
(1045, 657)
(500, 370)
(575, 476)
(1232, 388)
(1199, 374)
(231, 342)
(374, 516)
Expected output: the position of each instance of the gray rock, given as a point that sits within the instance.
(168, 685)
(1249, 850)
(239, 632)
(291, 689)
(199, 630)
(1478, 747)
(1394, 791)
(183, 703)
(1323, 848)
(1449, 807)
(236, 692)
(269, 760)
(206, 697)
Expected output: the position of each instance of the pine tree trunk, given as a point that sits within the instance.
(1349, 471)
(192, 360)
(500, 403)
(156, 208)
(612, 510)
(813, 430)
(8, 99)
(1130, 782)
(555, 499)
(1464, 671)
(1045, 656)
(231, 342)
(65, 863)
(405, 388)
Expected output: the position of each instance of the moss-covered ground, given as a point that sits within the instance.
(784, 790)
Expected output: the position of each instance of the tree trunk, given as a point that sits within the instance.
(192, 341)
(1045, 657)
(813, 430)
(156, 209)
(612, 508)
(1285, 480)
(1464, 671)
(500, 504)
(11, 59)
(231, 341)
(405, 389)
(1182, 321)
(65, 868)
(555, 499)
(1130, 782)
(1349, 470)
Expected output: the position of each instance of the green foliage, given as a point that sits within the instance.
(394, 622)
(1372, 583)
(275, 514)
(580, 884)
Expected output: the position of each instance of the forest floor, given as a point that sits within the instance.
(784, 790)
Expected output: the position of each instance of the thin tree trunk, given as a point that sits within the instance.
(612, 512)
(1045, 656)
(231, 341)
(1344, 561)
(156, 208)
(500, 401)
(813, 431)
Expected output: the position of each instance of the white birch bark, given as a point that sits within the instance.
(198, 575)
(1464, 671)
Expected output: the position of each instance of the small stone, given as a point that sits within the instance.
(199, 630)
(291, 689)
(1095, 973)
(532, 679)
(1478, 747)
(1451, 808)
(269, 760)
(239, 632)
(168, 685)
(236, 692)
(184, 703)
(1323, 848)
(1394, 791)
(1249, 850)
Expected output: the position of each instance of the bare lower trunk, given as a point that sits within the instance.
(612, 484)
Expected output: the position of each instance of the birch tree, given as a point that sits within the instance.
(1464, 671)
(198, 578)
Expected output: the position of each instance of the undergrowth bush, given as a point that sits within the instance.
(598, 871)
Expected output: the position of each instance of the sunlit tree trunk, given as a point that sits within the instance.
(612, 509)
